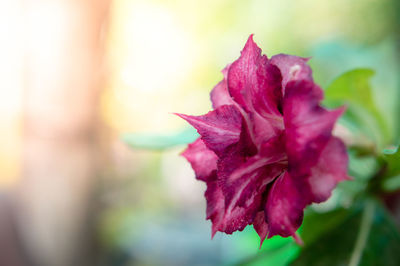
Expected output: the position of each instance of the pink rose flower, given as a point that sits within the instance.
(266, 151)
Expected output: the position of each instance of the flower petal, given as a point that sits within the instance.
(267, 96)
(219, 95)
(215, 204)
(330, 169)
(219, 128)
(240, 217)
(242, 209)
(202, 159)
(252, 175)
(263, 129)
(237, 218)
(261, 226)
(308, 126)
(253, 83)
(243, 183)
(284, 207)
(243, 191)
(292, 68)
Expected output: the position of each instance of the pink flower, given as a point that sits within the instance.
(266, 151)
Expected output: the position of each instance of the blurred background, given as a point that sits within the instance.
(76, 75)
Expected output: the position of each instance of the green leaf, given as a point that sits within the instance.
(391, 184)
(354, 90)
(392, 173)
(392, 158)
(316, 224)
(278, 257)
(160, 141)
(365, 236)
(276, 251)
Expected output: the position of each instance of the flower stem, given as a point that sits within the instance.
(366, 222)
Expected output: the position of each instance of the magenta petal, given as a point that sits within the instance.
(261, 226)
(255, 85)
(245, 200)
(284, 207)
(215, 205)
(263, 129)
(251, 77)
(219, 128)
(203, 160)
(308, 126)
(267, 96)
(330, 169)
(240, 177)
(219, 95)
(242, 73)
(249, 181)
(292, 68)
(243, 183)
(240, 217)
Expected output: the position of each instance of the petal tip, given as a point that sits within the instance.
(251, 37)
(213, 232)
(298, 239)
(181, 115)
(261, 241)
(251, 46)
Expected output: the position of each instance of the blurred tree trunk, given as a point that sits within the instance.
(11, 249)
(64, 74)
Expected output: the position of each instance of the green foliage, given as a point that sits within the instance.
(316, 224)
(277, 257)
(332, 58)
(391, 184)
(277, 251)
(363, 235)
(353, 86)
(354, 90)
(392, 173)
(160, 141)
(393, 161)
